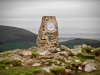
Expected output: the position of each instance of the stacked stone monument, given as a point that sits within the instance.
(48, 32)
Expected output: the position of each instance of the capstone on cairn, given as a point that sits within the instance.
(48, 32)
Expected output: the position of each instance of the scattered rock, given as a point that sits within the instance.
(51, 57)
(76, 60)
(58, 62)
(77, 46)
(16, 51)
(64, 48)
(44, 52)
(52, 50)
(64, 53)
(87, 62)
(67, 61)
(26, 53)
(16, 57)
(36, 64)
(76, 51)
(45, 57)
(84, 45)
(47, 69)
(80, 68)
(28, 62)
(43, 60)
(68, 70)
(90, 67)
(58, 49)
(62, 64)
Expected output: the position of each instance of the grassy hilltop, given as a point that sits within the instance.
(81, 60)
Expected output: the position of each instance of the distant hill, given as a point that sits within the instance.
(79, 41)
(12, 38)
(13, 34)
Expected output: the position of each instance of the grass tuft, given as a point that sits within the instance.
(57, 70)
(35, 53)
(34, 71)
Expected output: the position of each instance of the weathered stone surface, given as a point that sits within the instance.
(15, 57)
(58, 49)
(87, 62)
(26, 52)
(64, 53)
(64, 48)
(44, 52)
(84, 45)
(76, 50)
(47, 69)
(67, 70)
(29, 62)
(36, 64)
(48, 32)
(90, 67)
(45, 57)
(80, 68)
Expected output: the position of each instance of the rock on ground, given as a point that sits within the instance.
(90, 67)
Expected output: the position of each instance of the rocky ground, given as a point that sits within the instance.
(53, 61)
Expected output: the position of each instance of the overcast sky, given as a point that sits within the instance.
(73, 16)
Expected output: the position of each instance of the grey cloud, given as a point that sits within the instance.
(70, 14)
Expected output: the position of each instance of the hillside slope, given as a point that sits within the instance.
(79, 41)
(13, 34)
(14, 38)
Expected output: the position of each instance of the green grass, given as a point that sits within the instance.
(13, 62)
(91, 73)
(87, 49)
(16, 45)
(33, 71)
(35, 53)
(61, 59)
(19, 70)
(97, 52)
(53, 61)
(57, 70)
(25, 70)
(85, 57)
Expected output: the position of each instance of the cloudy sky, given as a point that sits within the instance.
(74, 17)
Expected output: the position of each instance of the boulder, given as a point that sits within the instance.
(26, 52)
(84, 45)
(45, 57)
(16, 51)
(36, 64)
(90, 67)
(64, 48)
(58, 49)
(29, 62)
(44, 52)
(76, 50)
(80, 68)
(87, 62)
(47, 69)
(15, 57)
(67, 70)
(64, 53)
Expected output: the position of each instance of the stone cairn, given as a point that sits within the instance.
(48, 32)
